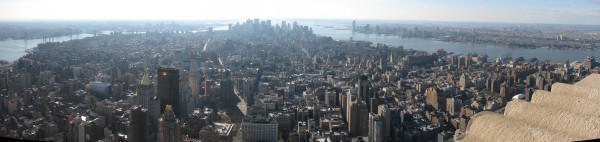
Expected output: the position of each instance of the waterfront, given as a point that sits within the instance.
(341, 30)
(11, 50)
(264, 75)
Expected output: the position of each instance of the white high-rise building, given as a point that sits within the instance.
(258, 128)
(375, 127)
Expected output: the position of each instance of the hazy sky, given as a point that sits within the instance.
(528, 11)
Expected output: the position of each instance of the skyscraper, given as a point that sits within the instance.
(364, 87)
(169, 127)
(464, 81)
(385, 115)
(358, 118)
(436, 98)
(145, 98)
(138, 124)
(353, 26)
(193, 80)
(227, 91)
(375, 128)
(145, 91)
(82, 128)
(168, 89)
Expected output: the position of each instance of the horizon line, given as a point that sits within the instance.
(291, 19)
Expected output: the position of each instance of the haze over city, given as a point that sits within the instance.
(299, 70)
(512, 11)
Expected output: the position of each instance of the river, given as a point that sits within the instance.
(340, 30)
(11, 50)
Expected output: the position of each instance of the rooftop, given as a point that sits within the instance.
(224, 129)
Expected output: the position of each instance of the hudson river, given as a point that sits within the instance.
(11, 50)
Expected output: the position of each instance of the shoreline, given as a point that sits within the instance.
(19, 49)
(490, 43)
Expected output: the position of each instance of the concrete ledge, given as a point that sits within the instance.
(554, 119)
(592, 81)
(493, 127)
(575, 104)
(576, 90)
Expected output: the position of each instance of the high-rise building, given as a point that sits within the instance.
(358, 118)
(292, 89)
(248, 90)
(343, 104)
(589, 62)
(505, 93)
(374, 104)
(168, 89)
(193, 79)
(468, 60)
(258, 128)
(348, 101)
(146, 98)
(138, 125)
(385, 116)
(186, 99)
(436, 98)
(353, 26)
(169, 127)
(153, 115)
(227, 91)
(331, 98)
(145, 92)
(464, 81)
(453, 105)
(364, 87)
(375, 128)
(197, 120)
(83, 128)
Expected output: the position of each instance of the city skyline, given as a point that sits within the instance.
(511, 11)
(258, 81)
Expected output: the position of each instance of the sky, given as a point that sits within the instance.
(511, 11)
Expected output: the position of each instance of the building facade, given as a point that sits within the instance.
(169, 127)
(168, 89)
(258, 129)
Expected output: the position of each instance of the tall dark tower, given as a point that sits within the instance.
(364, 89)
(168, 89)
(138, 124)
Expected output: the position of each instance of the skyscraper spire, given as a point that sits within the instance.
(145, 79)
